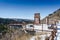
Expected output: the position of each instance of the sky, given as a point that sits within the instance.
(25, 9)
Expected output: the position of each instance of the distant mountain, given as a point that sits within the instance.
(10, 20)
(23, 20)
(5, 21)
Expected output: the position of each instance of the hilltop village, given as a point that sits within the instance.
(16, 28)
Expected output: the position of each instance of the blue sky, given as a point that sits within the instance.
(26, 8)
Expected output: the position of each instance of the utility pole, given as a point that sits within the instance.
(42, 26)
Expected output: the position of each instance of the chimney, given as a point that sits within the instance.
(37, 18)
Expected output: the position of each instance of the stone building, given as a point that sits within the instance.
(37, 18)
(52, 18)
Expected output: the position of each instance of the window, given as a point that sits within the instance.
(31, 25)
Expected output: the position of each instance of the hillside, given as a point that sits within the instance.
(8, 20)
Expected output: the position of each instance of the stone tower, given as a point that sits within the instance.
(37, 18)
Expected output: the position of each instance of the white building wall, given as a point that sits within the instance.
(58, 31)
(42, 26)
